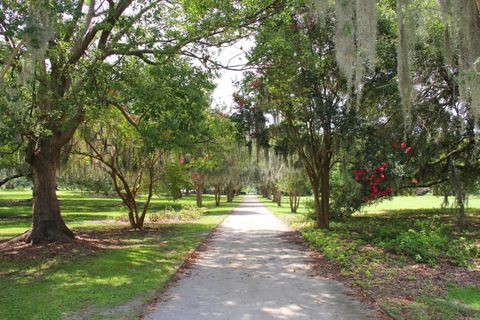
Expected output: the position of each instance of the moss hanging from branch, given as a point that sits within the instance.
(403, 59)
(446, 8)
(319, 9)
(37, 34)
(345, 38)
(355, 40)
(366, 40)
(467, 17)
(355, 37)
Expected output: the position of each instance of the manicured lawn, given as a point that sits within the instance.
(419, 202)
(108, 267)
(80, 210)
(406, 254)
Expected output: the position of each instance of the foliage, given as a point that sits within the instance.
(168, 214)
(294, 180)
(345, 192)
(174, 178)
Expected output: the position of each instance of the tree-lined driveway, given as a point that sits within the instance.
(252, 272)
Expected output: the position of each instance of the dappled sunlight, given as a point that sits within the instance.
(252, 270)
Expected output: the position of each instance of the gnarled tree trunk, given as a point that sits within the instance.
(47, 223)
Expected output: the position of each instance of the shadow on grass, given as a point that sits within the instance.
(143, 262)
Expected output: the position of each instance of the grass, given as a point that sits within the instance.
(415, 203)
(376, 251)
(79, 282)
(469, 295)
(80, 210)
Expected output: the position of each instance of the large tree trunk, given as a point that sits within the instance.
(321, 214)
(47, 224)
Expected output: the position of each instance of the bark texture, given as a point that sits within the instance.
(47, 223)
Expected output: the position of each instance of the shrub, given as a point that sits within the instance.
(426, 242)
(186, 213)
(461, 252)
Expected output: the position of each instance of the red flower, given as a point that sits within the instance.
(408, 150)
(255, 84)
(382, 176)
(379, 169)
(403, 145)
(374, 190)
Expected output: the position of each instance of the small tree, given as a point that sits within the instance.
(294, 182)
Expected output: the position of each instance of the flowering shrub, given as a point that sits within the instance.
(374, 184)
(377, 180)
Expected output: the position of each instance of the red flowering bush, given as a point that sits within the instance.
(377, 181)
(374, 182)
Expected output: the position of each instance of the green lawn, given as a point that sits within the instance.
(377, 251)
(80, 210)
(421, 202)
(95, 285)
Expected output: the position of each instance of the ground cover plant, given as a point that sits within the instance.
(110, 271)
(405, 256)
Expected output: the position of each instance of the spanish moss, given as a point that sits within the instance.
(403, 60)
(345, 38)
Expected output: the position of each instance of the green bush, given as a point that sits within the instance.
(169, 214)
(426, 242)
(423, 245)
(461, 252)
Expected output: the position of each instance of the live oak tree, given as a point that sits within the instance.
(58, 56)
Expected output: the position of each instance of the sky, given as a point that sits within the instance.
(231, 56)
